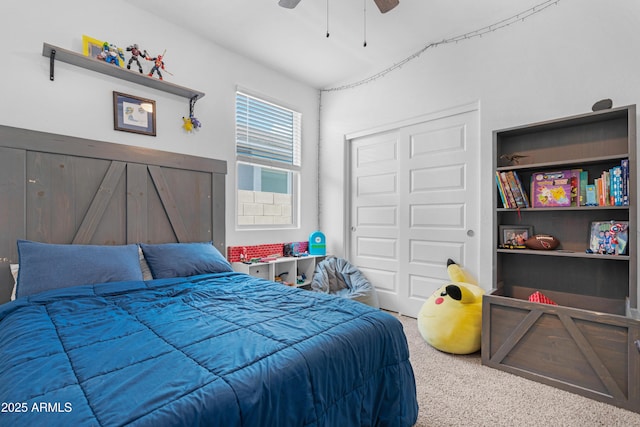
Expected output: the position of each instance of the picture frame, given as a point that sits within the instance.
(134, 114)
(514, 235)
(91, 47)
(608, 237)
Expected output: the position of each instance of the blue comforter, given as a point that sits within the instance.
(220, 350)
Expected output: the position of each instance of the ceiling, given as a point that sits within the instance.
(294, 42)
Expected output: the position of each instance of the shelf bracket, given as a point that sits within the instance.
(52, 60)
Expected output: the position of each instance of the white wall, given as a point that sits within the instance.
(79, 101)
(554, 64)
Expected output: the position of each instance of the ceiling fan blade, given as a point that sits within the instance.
(386, 5)
(289, 4)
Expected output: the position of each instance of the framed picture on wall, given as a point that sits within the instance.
(134, 114)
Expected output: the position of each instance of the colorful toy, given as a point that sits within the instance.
(111, 54)
(135, 54)
(451, 318)
(158, 64)
(191, 123)
(187, 125)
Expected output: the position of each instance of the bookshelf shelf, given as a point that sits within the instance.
(563, 253)
(550, 165)
(566, 208)
(592, 142)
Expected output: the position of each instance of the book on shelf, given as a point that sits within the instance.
(615, 176)
(507, 191)
(516, 190)
(575, 186)
(525, 196)
(551, 189)
(612, 186)
(624, 166)
(512, 193)
(591, 195)
(584, 178)
(505, 204)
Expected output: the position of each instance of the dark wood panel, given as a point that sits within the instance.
(137, 203)
(588, 353)
(31, 140)
(12, 212)
(60, 189)
(101, 200)
(218, 214)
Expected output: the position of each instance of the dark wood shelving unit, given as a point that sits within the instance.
(589, 343)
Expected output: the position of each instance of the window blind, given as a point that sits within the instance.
(266, 131)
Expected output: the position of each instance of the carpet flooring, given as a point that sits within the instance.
(457, 390)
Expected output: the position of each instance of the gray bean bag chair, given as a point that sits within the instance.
(337, 276)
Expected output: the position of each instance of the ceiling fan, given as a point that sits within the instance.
(384, 5)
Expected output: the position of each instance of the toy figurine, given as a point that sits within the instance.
(158, 64)
(196, 123)
(111, 54)
(135, 54)
(115, 55)
(187, 125)
(191, 123)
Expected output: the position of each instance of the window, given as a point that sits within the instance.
(268, 163)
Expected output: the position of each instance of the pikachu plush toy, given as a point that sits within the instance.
(451, 319)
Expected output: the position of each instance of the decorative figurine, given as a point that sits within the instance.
(111, 54)
(158, 64)
(196, 123)
(191, 123)
(115, 55)
(135, 54)
(187, 125)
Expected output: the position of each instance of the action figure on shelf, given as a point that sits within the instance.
(135, 54)
(158, 64)
(111, 54)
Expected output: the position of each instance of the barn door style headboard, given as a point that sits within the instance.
(61, 189)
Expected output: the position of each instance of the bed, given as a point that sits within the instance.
(93, 338)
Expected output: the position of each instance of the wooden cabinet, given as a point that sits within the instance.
(589, 343)
(593, 142)
(288, 269)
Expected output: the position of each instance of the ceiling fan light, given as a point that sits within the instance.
(289, 4)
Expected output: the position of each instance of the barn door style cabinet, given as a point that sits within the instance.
(589, 343)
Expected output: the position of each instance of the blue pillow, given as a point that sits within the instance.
(46, 266)
(184, 259)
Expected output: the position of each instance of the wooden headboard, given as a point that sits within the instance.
(61, 189)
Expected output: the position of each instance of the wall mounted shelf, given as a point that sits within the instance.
(79, 60)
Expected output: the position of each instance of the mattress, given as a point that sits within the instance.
(223, 349)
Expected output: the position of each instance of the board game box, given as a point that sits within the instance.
(551, 189)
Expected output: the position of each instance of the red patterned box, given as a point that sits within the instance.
(541, 298)
(261, 251)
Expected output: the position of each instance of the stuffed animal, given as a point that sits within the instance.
(451, 319)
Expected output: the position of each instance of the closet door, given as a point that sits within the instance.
(414, 203)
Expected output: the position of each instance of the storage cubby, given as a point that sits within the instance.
(287, 268)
